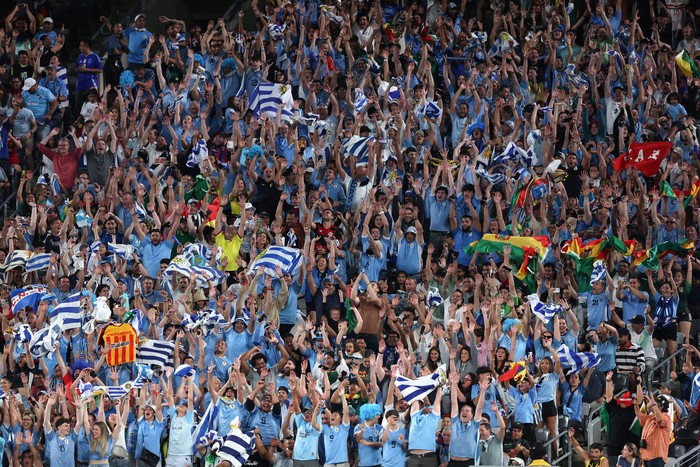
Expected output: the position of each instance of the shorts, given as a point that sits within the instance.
(666, 333)
(549, 409)
(683, 315)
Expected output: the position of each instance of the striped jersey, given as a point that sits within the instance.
(122, 338)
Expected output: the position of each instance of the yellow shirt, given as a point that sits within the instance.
(539, 462)
(229, 249)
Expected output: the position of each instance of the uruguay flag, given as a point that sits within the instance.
(69, 311)
(38, 262)
(544, 311)
(357, 146)
(268, 97)
(576, 361)
(417, 389)
(288, 259)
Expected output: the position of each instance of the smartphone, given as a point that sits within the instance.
(422, 329)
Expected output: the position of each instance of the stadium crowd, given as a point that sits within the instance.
(354, 233)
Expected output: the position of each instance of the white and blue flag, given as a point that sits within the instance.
(155, 353)
(69, 312)
(38, 262)
(269, 97)
(576, 361)
(599, 271)
(357, 146)
(288, 259)
(419, 388)
(544, 311)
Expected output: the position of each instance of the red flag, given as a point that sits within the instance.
(647, 157)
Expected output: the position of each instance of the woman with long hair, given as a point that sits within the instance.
(629, 456)
(546, 385)
(119, 456)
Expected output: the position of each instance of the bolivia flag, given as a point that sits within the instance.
(650, 258)
(687, 65)
(519, 195)
(666, 190)
(586, 254)
(523, 249)
(694, 190)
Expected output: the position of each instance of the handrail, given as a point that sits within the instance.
(664, 362)
(568, 455)
(681, 461)
(4, 204)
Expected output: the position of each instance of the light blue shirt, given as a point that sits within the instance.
(228, 411)
(422, 433)
(306, 441)
(153, 254)
(149, 436)
(546, 387)
(335, 443)
(598, 308)
(61, 451)
(369, 455)
(267, 423)
(408, 258)
(524, 404)
(520, 346)
(632, 306)
(180, 443)
(393, 453)
(465, 434)
(38, 102)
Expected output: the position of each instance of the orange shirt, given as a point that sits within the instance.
(123, 339)
(657, 434)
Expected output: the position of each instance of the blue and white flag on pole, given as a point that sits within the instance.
(69, 312)
(38, 262)
(577, 361)
(209, 422)
(544, 311)
(155, 353)
(288, 259)
(357, 146)
(599, 271)
(269, 97)
(417, 389)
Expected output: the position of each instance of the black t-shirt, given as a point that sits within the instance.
(52, 243)
(514, 443)
(268, 196)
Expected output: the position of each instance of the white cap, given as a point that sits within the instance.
(136, 18)
(249, 206)
(48, 19)
(28, 83)
(411, 230)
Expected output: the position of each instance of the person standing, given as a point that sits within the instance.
(89, 66)
(656, 428)
(421, 437)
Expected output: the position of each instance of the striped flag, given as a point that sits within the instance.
(419, 388)
(477, 451)
(357, 146)
(184, 370)
(155, 353)
(121, 250)
(208, 422)
(22, 333)
(431, 110)
(288, 259)
(360, 103)
(181, 265)
(502, 44)
(69, 312)
(55, 186)
(276, 31)
(544, 311)
(268, 97)
(38, 262)
(577, 361)
(494, 179)
(43, 341)
(234, 447)
(82, 219)
(16, 259)
(576, 79)
(206, 320)
(198, 154)
(599, 272)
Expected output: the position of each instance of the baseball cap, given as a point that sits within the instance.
(249, 206)
(28, 83)
(48, 19)
(136, 18)
(518, 426)
(308, 410)
(412, 230)
(639, 319)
